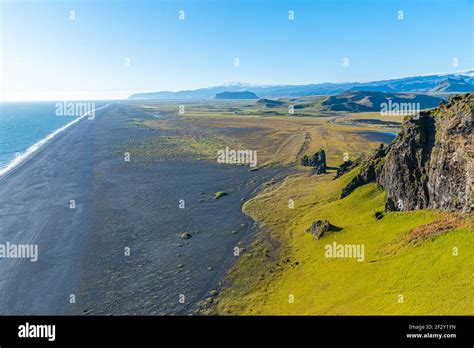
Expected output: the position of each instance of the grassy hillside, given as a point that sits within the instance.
(285, 263)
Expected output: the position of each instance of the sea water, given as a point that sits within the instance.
(26, 125)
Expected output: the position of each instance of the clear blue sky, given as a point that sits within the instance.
(45, 55)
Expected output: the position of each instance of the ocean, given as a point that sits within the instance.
(26, 126)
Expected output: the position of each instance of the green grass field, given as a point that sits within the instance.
(395, 277)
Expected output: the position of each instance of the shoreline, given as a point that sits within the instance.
(40, 144)
(119, 205)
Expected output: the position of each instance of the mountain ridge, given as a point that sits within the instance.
(368, 101)
(453, 85)
(420, 84)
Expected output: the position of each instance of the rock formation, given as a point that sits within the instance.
(369, 171)
(344, 167)
(317, 160)
(430, 164)
(318, 228)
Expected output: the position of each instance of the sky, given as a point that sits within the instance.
(108, 49)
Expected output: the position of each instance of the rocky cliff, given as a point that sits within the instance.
(430, 164)
(317, 160)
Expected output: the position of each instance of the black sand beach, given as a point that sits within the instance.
(119, 207)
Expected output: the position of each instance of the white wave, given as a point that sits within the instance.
(28, 153)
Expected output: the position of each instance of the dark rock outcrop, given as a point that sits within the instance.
(319, 228)
(378, 215)
(348, 165)
(430, 164)
(451, 168)
(406, 167)
(343, 168)
(317, 160)
(369, 171)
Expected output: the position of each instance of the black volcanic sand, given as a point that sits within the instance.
(120, 206)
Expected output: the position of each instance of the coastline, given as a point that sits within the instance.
(118, 205)
(31, 150)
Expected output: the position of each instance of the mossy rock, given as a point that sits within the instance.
(220, 194)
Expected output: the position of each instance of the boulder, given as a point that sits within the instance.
(318, 228)
(378, 215)
(186, 235)
(220, 194)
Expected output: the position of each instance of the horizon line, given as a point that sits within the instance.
(249, 84)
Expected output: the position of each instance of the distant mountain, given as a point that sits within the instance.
(368, 101)
(453, 85)
(418, 84)
(269, 103)
(236, 95)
